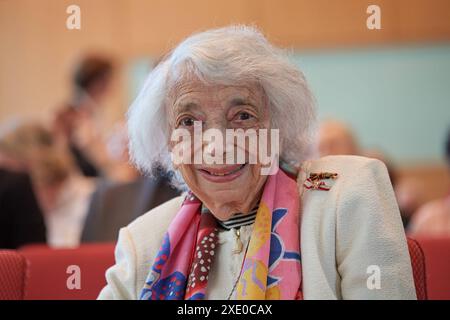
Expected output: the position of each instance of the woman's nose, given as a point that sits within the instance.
(214, 142)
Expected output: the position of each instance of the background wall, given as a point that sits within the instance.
(395, 99)
(37, 50)
(396, 78)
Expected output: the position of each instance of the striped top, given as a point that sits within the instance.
(238, 220)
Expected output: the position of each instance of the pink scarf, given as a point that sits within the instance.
(271, 268)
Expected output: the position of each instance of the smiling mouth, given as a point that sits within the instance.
(223, 171)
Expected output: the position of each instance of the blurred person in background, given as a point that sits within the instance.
(62, 192)
(77, 123)
(433, 218)
(336, 138)
(116, 203)
(21, 218)
(117, 148)
(409, 194)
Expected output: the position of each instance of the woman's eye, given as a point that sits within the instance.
(187, 122)
(244, 116)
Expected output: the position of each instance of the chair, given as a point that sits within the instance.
(13, 268)
(50, 270)
(418, 267)
(437, 253)
(56, 273)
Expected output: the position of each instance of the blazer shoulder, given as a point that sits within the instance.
(347, 168)
(345, 164)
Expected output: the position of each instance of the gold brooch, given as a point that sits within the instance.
(315, 180)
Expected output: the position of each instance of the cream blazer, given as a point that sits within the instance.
(352, 241)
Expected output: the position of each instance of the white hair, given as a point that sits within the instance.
(229, 55)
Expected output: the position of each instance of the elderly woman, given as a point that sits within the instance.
(319, 229)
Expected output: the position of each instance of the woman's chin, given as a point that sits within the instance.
(225, 195)
(223, 216)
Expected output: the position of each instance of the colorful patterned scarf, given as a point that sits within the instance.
(271, 267)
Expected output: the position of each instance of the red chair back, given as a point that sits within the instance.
(437, 254)
(67, 274)
(72, 274)
(13, 268)
(418, 266)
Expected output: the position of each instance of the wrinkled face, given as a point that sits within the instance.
(225, 188)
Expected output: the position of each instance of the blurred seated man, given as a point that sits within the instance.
(21, 220)
(115, 204)
(62, 192)
(409, 194)
(433, 218)
(77, 123)
(336, 138)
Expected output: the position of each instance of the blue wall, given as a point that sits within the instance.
(396, 99)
